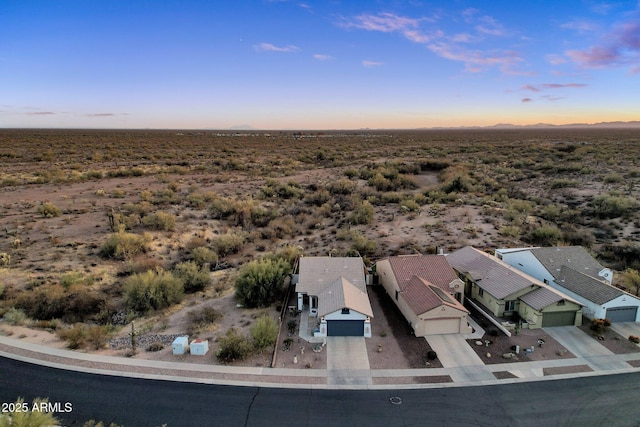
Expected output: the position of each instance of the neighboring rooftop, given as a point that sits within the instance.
(574, 257)
(489, 273)
(435, 269)
(317, 273)
(586, 286)
(542, 298)
(421, 296)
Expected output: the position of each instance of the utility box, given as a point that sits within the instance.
(180, 345)
(199, 347)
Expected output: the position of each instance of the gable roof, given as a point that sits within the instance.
(586, 286)
(542, 298)
(574, 257)
(343, 294)
(435, 269)
(316, 273)
(422, 296)
(489, 273)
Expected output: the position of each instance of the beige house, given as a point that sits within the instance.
(504, 291)
(425, 288)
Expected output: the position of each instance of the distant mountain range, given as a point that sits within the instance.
(604, 125)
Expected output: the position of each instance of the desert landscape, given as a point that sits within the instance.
(90, 217)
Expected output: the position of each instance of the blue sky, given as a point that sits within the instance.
(317, 65)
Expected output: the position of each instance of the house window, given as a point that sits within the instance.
(345, 311)
(561, 302)
(510, 305)
(546, 281)
(480, 291)
(396, 295)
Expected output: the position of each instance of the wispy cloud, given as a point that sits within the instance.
(554, 59)
(40, 113)
(321, 57)
(620, 46)
(527, 100)
(546, 86)
(101, 115)
(268, 47)
(371, 64)
(452, 47)
(582, 26)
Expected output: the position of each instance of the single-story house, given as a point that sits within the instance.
(334, 289)
(573, 271)
(425, 288)
(505, 291)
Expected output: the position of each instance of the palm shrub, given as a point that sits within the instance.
(261, 282)
(152, 290)
(264, 332)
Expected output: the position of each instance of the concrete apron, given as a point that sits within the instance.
(347, 361)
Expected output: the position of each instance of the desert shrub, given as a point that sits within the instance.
(509, 231)
(599, 326)
(70, 278)
(291, 326)
(15, 316)
(260, 283)
(564, 183)
(362, 214)
(318, 197)
(613, 179)
(123, 245)
(154, 346)
(634, 339)
(432, 355)
(5, 259)
(361, 245)
(97, 336)
(221, 208)
(203, 256)
(229, 243)
(409, 205)
(609, 206)
(342, 186)
(48, 210)
(52, 301)
(75, 335)
(30, 418)
(459, 184)
(233, 346)
(631, 280)
(202, 317)
(264, 332)
(194, 277)
(545, 235)
(160, 221)
(152, 290)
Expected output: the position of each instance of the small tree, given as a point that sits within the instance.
(153, 290)
(261, 282)
(193, 277)
(264, 332)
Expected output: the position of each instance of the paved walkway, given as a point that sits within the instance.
(347, 366)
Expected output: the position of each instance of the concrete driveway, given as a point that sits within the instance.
(347, 361)
(624, 329)
(453, 351)
(577, 342)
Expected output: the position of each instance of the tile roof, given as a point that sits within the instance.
(316, 273)
(343, 294)
(586, 286)
(575, 257)
(421, 296)
(435, 269)
(542, 298)
(491, 274)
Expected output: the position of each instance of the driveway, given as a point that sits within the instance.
(624, 329)
(347, 361)
(453, 351)
(577, 342)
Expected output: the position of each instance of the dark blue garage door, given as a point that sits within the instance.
(345, 328)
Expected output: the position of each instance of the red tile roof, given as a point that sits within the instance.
(435, 269)
(421, 296)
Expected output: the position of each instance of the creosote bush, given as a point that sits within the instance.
(160, 221)
(264, 332)
(233, 347)
(194, 277)
(260, 283)
(152, 290)
(48, 210)
(123, 245)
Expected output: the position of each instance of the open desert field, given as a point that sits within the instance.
(86, 213)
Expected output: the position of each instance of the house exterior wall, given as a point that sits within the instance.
(534, 317)
(530, 315)
(621, 301)
(495, 305)
(337, 315)
(386, 277)
(526, 262)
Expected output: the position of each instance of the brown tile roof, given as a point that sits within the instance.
(433, 268)
(343, 294)
(316, 273)
(421, 296)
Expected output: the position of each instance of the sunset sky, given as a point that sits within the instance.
(316, 65)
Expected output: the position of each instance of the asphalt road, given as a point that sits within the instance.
(594, 401)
